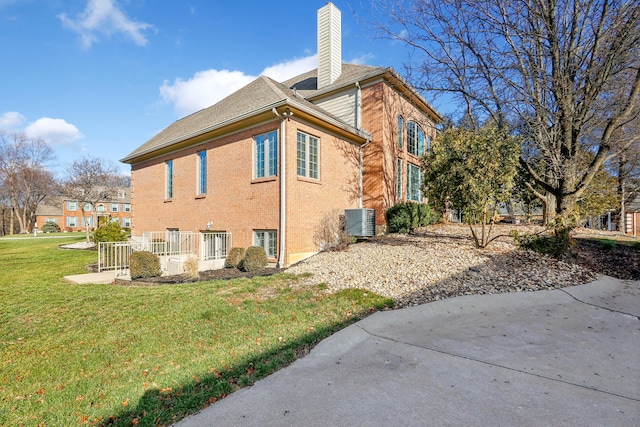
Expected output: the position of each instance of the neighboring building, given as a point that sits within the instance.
(267, 162)
(68, 215)
(632, 217)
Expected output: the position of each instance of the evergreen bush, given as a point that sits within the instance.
(235, 256)
(50, 227)
(143, 264)
(255, 259)
(109, 232)
(405, 217)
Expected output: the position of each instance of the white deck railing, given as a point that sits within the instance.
(173, 248)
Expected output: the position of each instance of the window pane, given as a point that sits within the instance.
(420, 142)
(273, 153)
(399, 179)
(313, 157)
(260, 156)
(259, 238)
(169, 194)
(400, 131)
(411, 138)
(271, 251)
(302, 154)
(202, 172)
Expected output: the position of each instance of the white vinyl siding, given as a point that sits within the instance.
(342, 105)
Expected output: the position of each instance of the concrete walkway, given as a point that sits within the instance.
(102, 278)
(568, 357)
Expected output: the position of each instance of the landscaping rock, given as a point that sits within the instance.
(441, 262)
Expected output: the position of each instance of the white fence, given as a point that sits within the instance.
(172, 247)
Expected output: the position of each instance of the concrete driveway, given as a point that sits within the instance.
(568, 357)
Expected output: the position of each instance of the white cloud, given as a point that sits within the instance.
(104, 17)
(288, 69)
(55, 132)
(11, 121)
(206, 88)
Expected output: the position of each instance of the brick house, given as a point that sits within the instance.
(267, 162)
(67, 214)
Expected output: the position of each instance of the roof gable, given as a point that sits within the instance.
(262, 95)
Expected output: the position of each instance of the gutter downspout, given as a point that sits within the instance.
(283, 187)
(360, 178)
(359, 127)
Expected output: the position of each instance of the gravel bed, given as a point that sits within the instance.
(440, 262)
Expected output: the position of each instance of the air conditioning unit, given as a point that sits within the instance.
(360, 222)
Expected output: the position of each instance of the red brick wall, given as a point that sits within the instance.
(381, 107)
(234, 201)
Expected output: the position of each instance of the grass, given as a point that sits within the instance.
(111, 355)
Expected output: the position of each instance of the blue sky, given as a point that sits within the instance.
(101, 77)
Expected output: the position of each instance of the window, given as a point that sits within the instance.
(87, 221)
(266, 155)
(101, 208)
(428, 144)
(126, 207)
(126, 222)
(115, 207)
(400, 131)
(415, 139)
(169, 182)
(87, 207)
(72, 221)
(121, 194)
(72, 206)
(308, 156)
(115, 219)
(266, 239)
(202, 172)
(54, 220)
(415, 177)
(399, 179)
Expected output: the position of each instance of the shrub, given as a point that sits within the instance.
(235, 256)
(329, 234)
(50, 227)
(109, 232)
(255, 259)
(556, 244)
(405, 217)
(144, 264)
(191, 267)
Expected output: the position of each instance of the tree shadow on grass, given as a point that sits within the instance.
(170, 405)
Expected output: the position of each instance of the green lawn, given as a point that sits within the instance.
(113, 355)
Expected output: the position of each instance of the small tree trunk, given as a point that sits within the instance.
(11, 219)
(622, 224)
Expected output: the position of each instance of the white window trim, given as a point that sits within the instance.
(268, 145)
(269, 235)
(307, 163)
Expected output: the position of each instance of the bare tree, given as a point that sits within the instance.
(89, 181)
(24, 178)
(547, 67)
